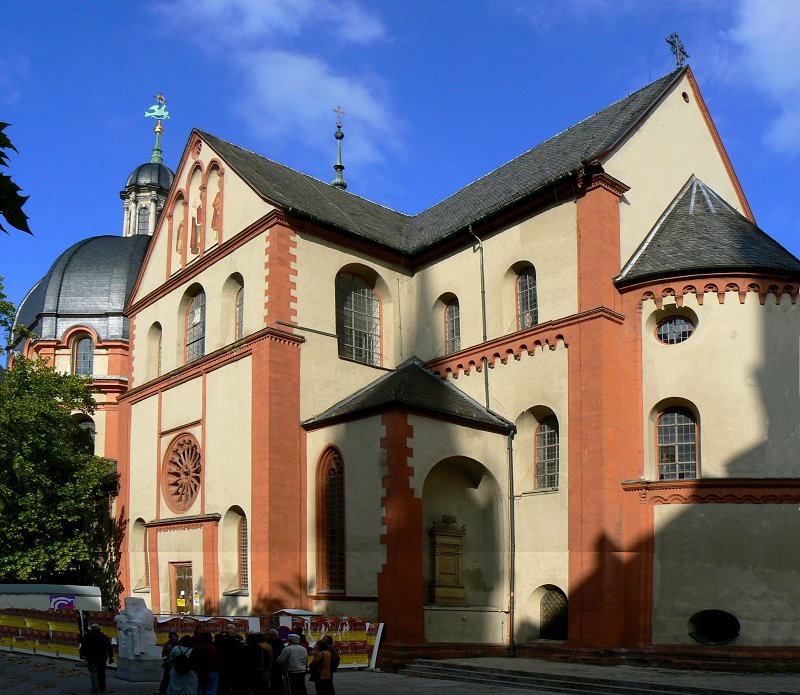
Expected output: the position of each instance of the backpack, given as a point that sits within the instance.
(181, 662)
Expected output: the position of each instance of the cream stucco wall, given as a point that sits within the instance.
(738, 558)
(740, 371)
(671, 145)
(547, 240)
(144, 460)
(359, 444)
(318, 262)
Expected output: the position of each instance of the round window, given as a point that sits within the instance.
(674, 330)
(182, 473)
(713, 627)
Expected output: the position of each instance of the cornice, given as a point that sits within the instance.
(183, 522)
(543, 335)
(700, 285)
(208, 363)
(716, 490)
(590, 180)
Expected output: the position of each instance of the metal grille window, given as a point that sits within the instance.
(554, 615)
(527, 305)
(674, 330)
(358, 320)
(547, 454)
(452, 327)
(196, 327)
(143, 222)
(677, 445)
(146, 577)
(243, 581)
(331, 528)
(83, 356)
(239, 314)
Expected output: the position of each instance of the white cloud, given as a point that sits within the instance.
(292, 95)
(768, 36)
(288, 90)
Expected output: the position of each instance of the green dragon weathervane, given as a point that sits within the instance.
(160, 113)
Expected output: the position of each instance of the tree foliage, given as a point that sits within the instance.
(11, 201)
(55, 493)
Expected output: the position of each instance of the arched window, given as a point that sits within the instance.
(547, 453)
(527, 304)
(83, 356)
(87, 425)
(358, 320)
(196, 327)
(239, 315)
(553, 616)
(452, 327)
(677, 445)
(143, 222)
(241, 546)
(330, 524)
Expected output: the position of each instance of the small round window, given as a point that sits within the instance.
(674, 330)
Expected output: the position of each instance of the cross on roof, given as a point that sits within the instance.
(339, 113)
(676, 46)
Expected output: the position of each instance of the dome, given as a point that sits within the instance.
(151, 174)
(87, 285)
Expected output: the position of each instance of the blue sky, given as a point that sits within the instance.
(436, 93)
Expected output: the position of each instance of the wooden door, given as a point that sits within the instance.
(182, 587)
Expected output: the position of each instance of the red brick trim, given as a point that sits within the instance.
(537, 337)
(719, 285)
(401, 580)
(716, 491)
(712, 129)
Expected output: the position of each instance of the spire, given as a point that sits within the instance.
(338, 180)
(159, 112)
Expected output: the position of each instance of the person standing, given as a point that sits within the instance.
(294, 658)
(230, 655)
(276, 672)
(321, 668)
(182, 680)
(96, 650)
(169, 645)
(204, 663)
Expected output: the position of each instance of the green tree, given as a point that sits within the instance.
(55, 493)
(11, 201)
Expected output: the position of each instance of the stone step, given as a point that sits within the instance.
(547, 682)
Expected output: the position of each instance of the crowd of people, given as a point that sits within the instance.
(258, 664)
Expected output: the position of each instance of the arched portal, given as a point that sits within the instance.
(463, 545)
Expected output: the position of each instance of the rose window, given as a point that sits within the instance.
(182, 473)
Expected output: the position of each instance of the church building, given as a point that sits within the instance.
(558, 410)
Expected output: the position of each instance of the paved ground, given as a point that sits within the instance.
(26, 674)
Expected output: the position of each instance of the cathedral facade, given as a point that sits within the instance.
(558, 408)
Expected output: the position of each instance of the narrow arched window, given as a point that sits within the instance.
(242, 549)
(159, 345)
(239, 315)
(547, 453)
(527, 303)
(143, 221)
(83, 356)
(452, 327)
(87, 425)
(358, 320)
(330, 524)
(196, 327)
(677, 445)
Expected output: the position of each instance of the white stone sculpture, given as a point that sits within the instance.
(138, 652)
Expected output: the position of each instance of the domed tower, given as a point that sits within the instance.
(147, 187)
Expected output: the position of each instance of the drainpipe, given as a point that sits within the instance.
(512, 544)
(510, 450)
(483, 315)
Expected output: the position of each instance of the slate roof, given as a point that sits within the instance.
(88, 284)
(700, 232)
(523, 176)
(412, 386)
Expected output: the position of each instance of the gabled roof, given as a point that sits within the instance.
(700, 232)
(412, 386)
(553, 160)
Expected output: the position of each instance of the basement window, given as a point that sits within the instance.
(713, 627)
